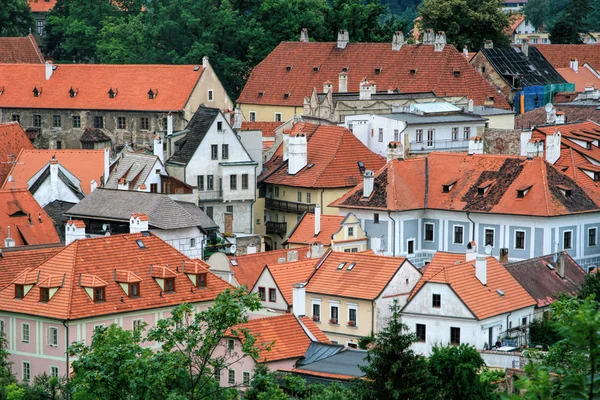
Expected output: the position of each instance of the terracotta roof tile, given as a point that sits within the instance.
(560, 55)
(314, 329)
(20, 50)
(92, 82)
(366, 279)
(435, 72)
(12, 263)
(582, 79)
(86, 165)
(12, 140)
(41, 5)
(286, 275)
(572, 113)
(95, 261)
(267, 128)
(304, 233)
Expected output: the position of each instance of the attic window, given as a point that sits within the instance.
(288, 68)
(352, 265)
(588, 145)
(490, 99)
(361, 166)
(447, 187)
(456, 74)
(287, 95)
(99, 294)
(261, 94)
(522, 192)
(140, 244)
(345, 69)
(19, 291)
(1, 90)
(170, 285)
(72, 93)
(36, 92)
(201, 281)
(315, 69)
(197, 68)
(152, 94)
(596, 176)
(341, 266)
(484, 187)
(112, 93)
(44, 295)
(414, 71)
(565, 190)
(134, 290)
(378, 70)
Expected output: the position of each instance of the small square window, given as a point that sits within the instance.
(134, 290)
(170, 285)
(278, 117)
(246, 378)
(137, 323)
(252, 116)
(99, 122)
(519, 240)
(54, 372)
(144, 124)
(56, 121)
(436, 301)
(201, 281)
(121, 123)
(19, 291)
(16, 118)
(350, 231)
(230, 344)
(44, 295)
(229, 209)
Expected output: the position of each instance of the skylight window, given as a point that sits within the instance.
(341, 266)
(550, 266)
(414, 71)
(197, 68)
(352, 265)
(361, 166)
(234, 263)
(140, 244)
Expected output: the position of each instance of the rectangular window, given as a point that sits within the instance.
(489, 237)
(44, 295)
(276, 191)
(334, 314)
(232, 182)
(350, 231)
(170, 285)
(428, 232)
(24, 332)
(56, 122)
(121, 123)
(200, 182)
(316, 312)
(592, 241)
(209, 212)
(200, 280)
(230, 344)
(2, 327)
(244, 181)
(214, 152)
(381, 134)
(229, 209)
(99, 294)
(436, 300)
(520, 240)
(54, 371)
(76, 121)
(37, 120)
(144, 123)
(308, 197)
(410, 245)
(454, 335)
(299, 197)
(419, 136)
(225, 152)
(376, 218)
(352, 316)
(458, 234)
(210, 95)
(53, 337)
(272, 295)
(467, 132)
(524, 321)
(567, 240)
(210, 182)
(421, 332)
(277, 117)
(252, 116)
(16, 118)
(231, 376)
(154, 188)
(219, 126)
(262, 293)
(193, 243)
(396, 135)
(26, 371)
(19, 291)
(134, 290)
(246, 381)
(58, 144)
(430, 137)
(455, 133)
(40, 27)
(137, 323)
(99, 122)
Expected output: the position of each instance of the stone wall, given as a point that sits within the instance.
(502, 141)
(485, 69)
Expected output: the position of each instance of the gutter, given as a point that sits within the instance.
(393, 233)
(473, 225)
(68, 370)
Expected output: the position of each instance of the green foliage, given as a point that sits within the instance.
(572, 23)
(591, 286)
(455, 371)
(363, 342)
(15, 18)
(467, 22)
(542, 332)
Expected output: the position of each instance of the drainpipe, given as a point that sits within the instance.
(66, 326)
(373, 318)
(509, 314)
(473, 226)
(322, 190)
(393, 234)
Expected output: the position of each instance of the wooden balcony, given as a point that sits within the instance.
(276, 227)
(288, 206)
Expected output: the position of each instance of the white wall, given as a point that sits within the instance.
(181, 240)
(366, 128)
(44, 195)
(153, 177)
(398, 289)
(266, 280)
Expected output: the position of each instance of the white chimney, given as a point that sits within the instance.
(365, 90)
(106, 165)
(286, 144)
(466, 52)
(368, 183)
(138, 223)
(237, 118)
(535, 148)
(251, 250)
(170, 124)
(481, 269)
(304, 35)
(9, 242)
(158, 148)
(553, 147)
(54, 179)
(299, 299)
(317, 219)
(378, 245)
(471, 252)
(298, 153)
(575, 65)
(74, 230)
(551, 114)
(292, 255)
(560, 118)
(327, 87)
(343, 38)
(122, 184)
(525, 47)
(470, 106)
(343, 82)
(317, 250)
(440, 41)
(428, 36)
(397, 41)
(204, 62)
(49, 69)
(475, 146)
(93, 185)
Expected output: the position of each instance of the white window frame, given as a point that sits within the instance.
(380, 135)
(352, 306)
(230, 344)
(23, 325)
(210, 95)
(524, 239)
(51, 341)
(563, 240)
(137, 321)
(28, 364)
(595, 236)
(3, 327)
(396, 135)
(350, 231)
(280, 117)
(252, 116)
(419, 135)
(318, 302)
(52, 369)
(244, 375)
(425, 232)
(334, 303)
(229, 380)
(454, 233)
(487, 228)
(466, 132)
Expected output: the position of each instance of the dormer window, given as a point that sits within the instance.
(413, 71)
(315, 69)
(44, 295)
(19, 291)
(1, 90)
(484, 187)
(201, 281)
(170, 285)
(152, 94)
(36, 92)
(378, 70)
(72, 93)
(596, 176)
(447, 187)
(261, 94)
(134, 290)
(588, 145)
(345, 69)
(287, 95)
(522, 192)
(111, 93)
(565, 191)
(456, 74)
(99, 294)
(288, 68)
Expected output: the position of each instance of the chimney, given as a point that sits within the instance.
(228, 222)
(471, 253)
(286, 143)
(481, 269)
(343, 82)
(298, 153)
(251, 249)
(317, 219)
(299, 299)
(525, 47)
(466, 52)
(343, 39)
(317, 250)
(560, 264)
(106, 165)
(304, 35)
(428, 36)
(470, 106)
(368, 183)
(327, 87)
(74, 230)
(138, 223)
(440, 41)
(560, 118)
(170, 124)
(122, 184)
(553, 147)
(550, 114)
(378, 245)
(54, 178)
(504, 255)
(49, 69)
(158, 148)
(395, 151)
(365, 90)
(475, 146)
(488, 44)
(93, 185)
(237, 118)
(205, 62)
(535, 148)
(575, 65)
(397, 41)
(292, 255)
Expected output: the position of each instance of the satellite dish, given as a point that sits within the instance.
(548, 107)
(308, 254)
(488, 249)
(232, 249)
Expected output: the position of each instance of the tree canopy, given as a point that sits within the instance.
(15, 18)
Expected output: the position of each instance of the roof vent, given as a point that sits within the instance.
(36, 92)
(341, 266)
(152, 93)
(72, 92)
(500, 292)
(197, 68)
(523, 191)
(287, 95)
(112, 93)
(378, 70)
(567, 192)
(345, 69)
(316, 69)
(310, 166)
(447, 187)
(414, 71)
(288, 68)
(261, 94)
(456, 74)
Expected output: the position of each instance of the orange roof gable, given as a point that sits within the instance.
(20, 50)
(92, 263)
(173, 85)
(304, 232)
(12, 263)
(267, 128)
(582, 79)
(41, 5)
(286, 275)
(560, 55)
(86, 165)
(435, 72)
(366, 279)
(12, 140)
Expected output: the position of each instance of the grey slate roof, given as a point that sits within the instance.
(197, 127)
(118, 205)
(485, 111)
(345, 362)
(56, 210)
(534, 69)
(415, 119)
(134, 167)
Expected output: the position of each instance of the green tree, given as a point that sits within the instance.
(467, 22)
(572, 23)
(455, 370)
(394, 370)
(6, 376)
(590, 286)
(15, 18)
(536, 12)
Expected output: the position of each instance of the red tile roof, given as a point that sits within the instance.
(314, 329)
(267, 128)
(28, 222)
(283, 333)
(434, 72)
(94, 261)
(401, 185)
(560, 55)
(483, 301)
(515, 21)
(304, 232)
(365, 280)
(333, 152)
(582, 79)
(12, 140)
(20, 50)
(572, 113)
(173, 83)
(86, 165)
(41, 5)
(247, 268)
(12, 263)
(286, 275)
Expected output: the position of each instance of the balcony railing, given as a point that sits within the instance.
(439, 145)
(288, 206)
(210, 195)
(276, 227)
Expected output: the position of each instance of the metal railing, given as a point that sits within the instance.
(204, 195)
(426, 146)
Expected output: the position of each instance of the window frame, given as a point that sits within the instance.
(336, 320)
(225, 151)
(421, 332)
(262, 293)
(352, 307)
(210, 182)
(516, 238)
(455, 133)
(570, 232)
(144, 123)
(233, 182)
(246, 378)
(425, 232)
(200, 182)
(462, 234)
(272, 295)
(436, 300)
(52, 336)
(98, 121)
(121, 123)
(454, 331)
(136, 323)
(99, 294)
(214, 151)
(37, 121)
(595, 230)
(485, 234)
(201, 281)
(350, 231)
(375, 218)
(299, 197)
(396, 135)
(230, 344)
(231, 376)
(26, 366)
(54, 374)
(466, 132)
(19, 291)
(316, 303)
(419, 135)
(245, 181)
(76, 121)
(380, 135)
(408, 246)
(278, 117)
(25, 327)
(210, 95)
(219, 126)
(130, 291)
(252, 116)
(171, 285)
(44, 295)
(56, 121)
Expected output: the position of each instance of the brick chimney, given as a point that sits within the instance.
(298, 153)
(397, 41)
(228, 222)
(138, 223)
(343, 38)
(343, 82)
(74, 230)
(304, 35)
(368, 183)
